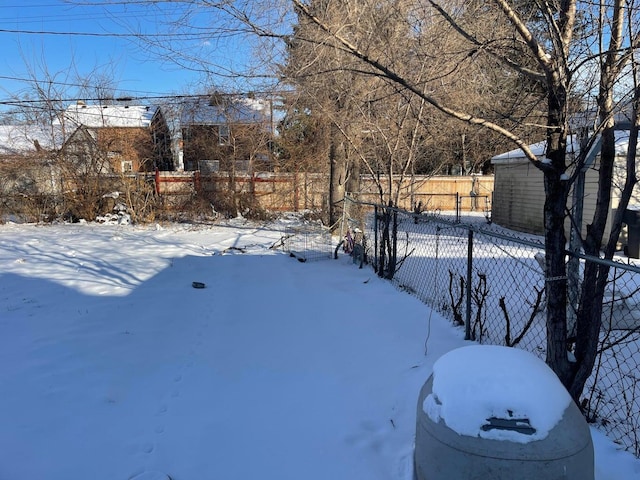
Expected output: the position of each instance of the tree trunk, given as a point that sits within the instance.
(556, 193)
(594, 283)
(337, 176)
(589, 320)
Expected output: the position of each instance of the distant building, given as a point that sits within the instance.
(20, 140)
(27, 159)
(212, 133)
(109, 138)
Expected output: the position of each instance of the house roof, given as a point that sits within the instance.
(21, 139)
(539, 149)
(202, 111)
(98, 116)
(622, 117)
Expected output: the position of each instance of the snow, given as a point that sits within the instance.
(113, 366)
(95, 116)
(539, 149)
(475, 383)
(20, 139)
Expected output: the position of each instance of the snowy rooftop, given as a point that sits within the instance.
(20, 139)
(539, 149)
(201, 111)
(474, 384)
(96, 116)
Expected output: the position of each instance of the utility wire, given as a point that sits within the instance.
(129, 99)
(85, 86)
(108, 35)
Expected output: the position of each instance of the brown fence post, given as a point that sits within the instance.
(157, 181)
(196, 181)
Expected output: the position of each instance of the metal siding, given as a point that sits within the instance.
(518, 201)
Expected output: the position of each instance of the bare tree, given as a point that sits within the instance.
(78, 165)
(554, 48)
(392, 133)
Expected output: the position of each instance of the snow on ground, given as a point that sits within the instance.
(113, 366)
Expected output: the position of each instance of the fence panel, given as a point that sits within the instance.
(612, 393)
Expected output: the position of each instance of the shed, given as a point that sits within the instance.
(518, 197)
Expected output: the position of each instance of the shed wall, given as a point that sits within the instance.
(518, 197)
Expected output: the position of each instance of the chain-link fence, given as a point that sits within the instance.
(491, 283)
(308, 242)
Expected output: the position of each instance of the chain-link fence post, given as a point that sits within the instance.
(375, 238)
(467, 321)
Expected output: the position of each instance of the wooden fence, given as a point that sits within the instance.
(309, 191)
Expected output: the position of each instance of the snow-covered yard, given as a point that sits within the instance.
(113, 366)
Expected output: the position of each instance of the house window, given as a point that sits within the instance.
(209, 166)
(224, 136)
(242, 165)
(127, 166)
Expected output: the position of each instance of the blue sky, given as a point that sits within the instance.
(94, 41)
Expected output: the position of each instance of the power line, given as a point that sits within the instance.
(87, 86)
(68, 17)
(133, 94)
(17, 103)
(128, 99)
(106, 34)
(31, 5)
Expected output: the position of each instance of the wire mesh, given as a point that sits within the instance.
(438, 258)
(612, 393)
(308, 242)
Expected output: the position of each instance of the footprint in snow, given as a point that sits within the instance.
(369, 436)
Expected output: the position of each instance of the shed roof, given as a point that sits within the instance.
(573, 145)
